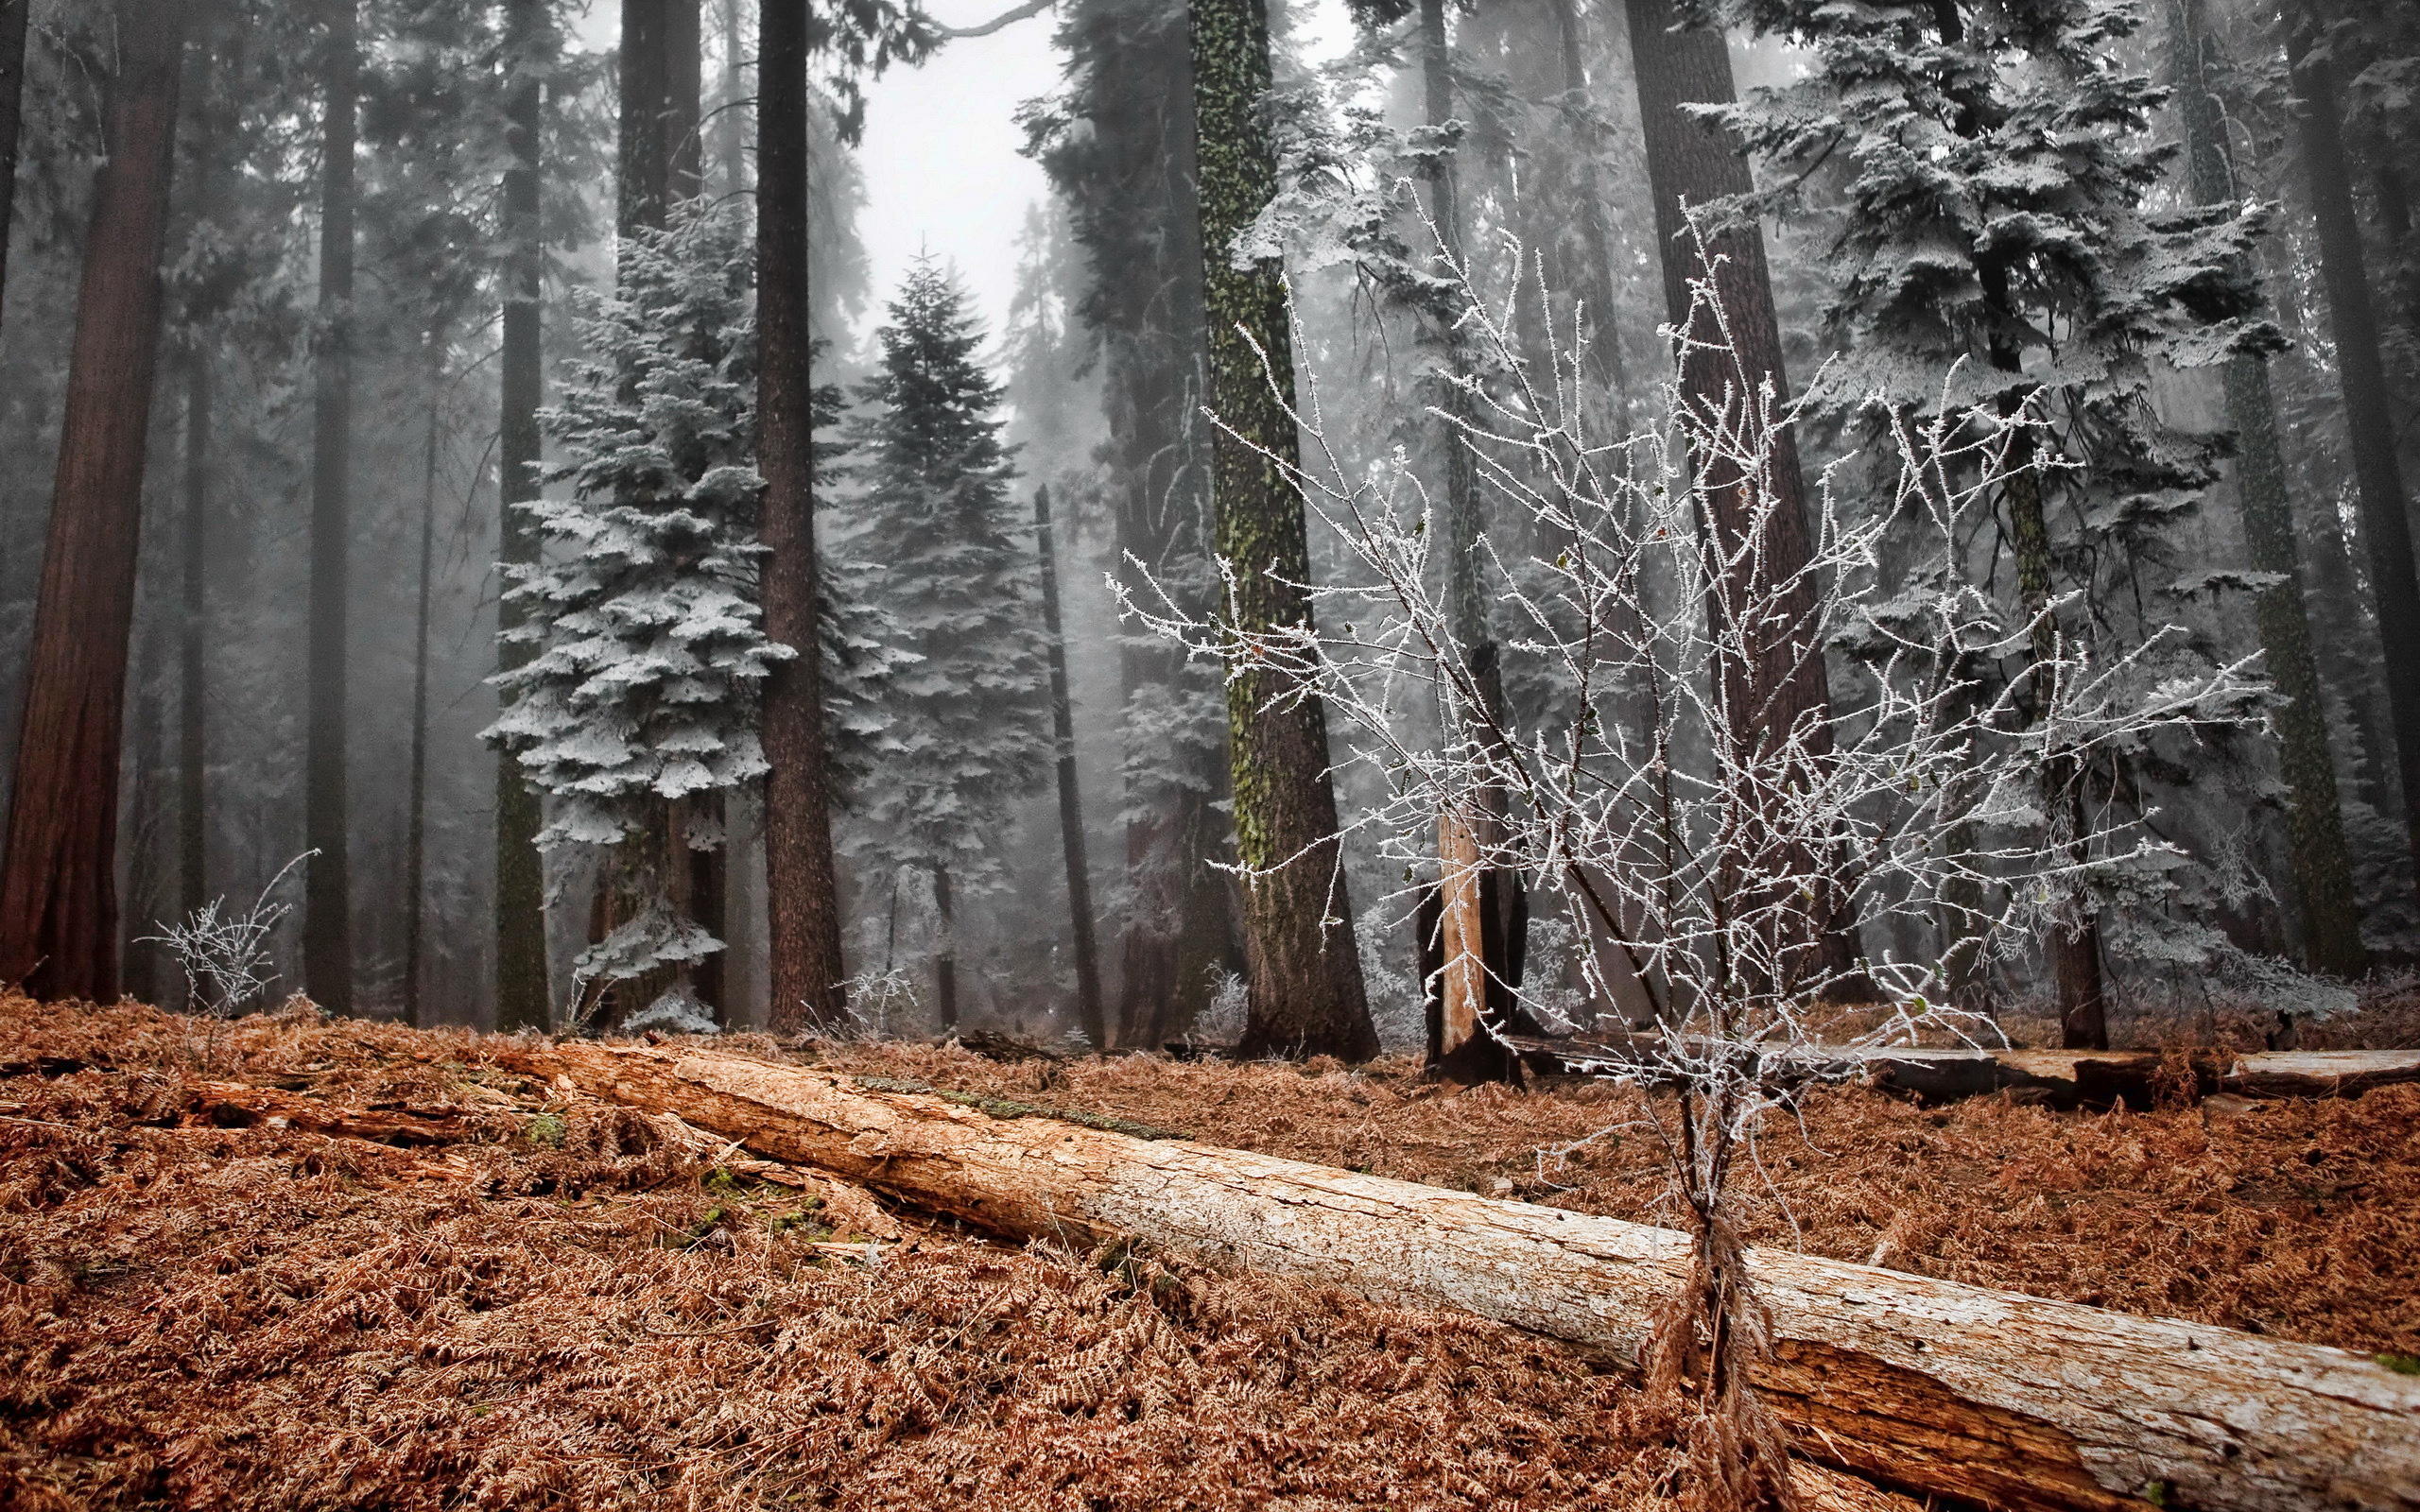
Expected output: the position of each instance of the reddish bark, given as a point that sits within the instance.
(57, 895)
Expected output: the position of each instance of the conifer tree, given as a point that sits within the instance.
(1994, 232)
(969, 735)
(641, 697)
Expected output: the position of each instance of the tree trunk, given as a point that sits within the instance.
(416, 799)
(522, 992)
(1781, 681)
(2361, 371)
(643, 156)
(1604, 330)
(1950, 1391)
(14, 16)
(684, 104)
(1071, 806)
(142, 961)
(731, 113)
(2315, 824)
(193, 744)
(945, 959)
(58, 891)
(801, 894)
(327, 910)
(1303, 968)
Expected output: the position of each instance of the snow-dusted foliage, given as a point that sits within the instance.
(1704, 848)
(650, 648)
(968, 731)
(1987, 185)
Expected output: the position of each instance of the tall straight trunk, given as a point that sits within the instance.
(2315, 823)
(644, 154)
(192, 743)
(945, 960)
(1303, 965)
(802, 892)
(2362, 368)
(58, 886)
(1604, 345)
(731, 113)
(1071, 805)
(14, 16)
(1780, 680)
(416, 797)
(142, 960)
(521, 986)
(327, 918)
(683, 106)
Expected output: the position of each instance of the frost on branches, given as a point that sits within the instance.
(1689, 837)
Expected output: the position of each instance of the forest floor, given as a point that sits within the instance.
(552, 1307)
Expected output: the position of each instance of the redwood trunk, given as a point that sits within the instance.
(521, 986)
(802, 896)
(1950, 1391)
(193, 729)
(58, 892)
(416, 799)
(1781, 681)
(1071, 803)
(2370, 428)
(327, 920)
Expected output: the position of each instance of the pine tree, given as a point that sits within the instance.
(969, 735)
(641, 699)
(1993, 232)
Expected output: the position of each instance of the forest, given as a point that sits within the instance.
(1137, 754)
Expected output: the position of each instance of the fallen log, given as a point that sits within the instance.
(1950, 1391)
(2065, 1079)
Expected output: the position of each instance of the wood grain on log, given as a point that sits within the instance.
(1952, 1391)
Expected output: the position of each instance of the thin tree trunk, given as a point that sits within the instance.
(522, 991)
(2315, 825)
(415, 814)
(193, 745)
(945, 959)
(2385, 525)
(14, 16)
(327, 921)
(1780, 684)
(142, 961)
(1604, 329)
(58, 889)
(731, 114)
(1301, 963)
(1071, 806)
(801, 894)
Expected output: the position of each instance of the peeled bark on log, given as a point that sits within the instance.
(1948, 1390)
(2066, 1079)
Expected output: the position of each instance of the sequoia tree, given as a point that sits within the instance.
(521, 986)
(328, 922)
(2386, 525)
(14, 16)
(57, 893)
(1303, 967)
(802, 893)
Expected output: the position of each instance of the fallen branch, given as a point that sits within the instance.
(1952, 1391)
(2066, 1079)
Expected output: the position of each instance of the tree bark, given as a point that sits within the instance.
(802, 893)
(1604, 330)
(1781, 682)
(2370, 429)
(1071, 804)
(57, 890)
(1946, 1391)
(683, 103)
(945, 959)
(731, 113)
(14, 16)
(327, 908)
(192, 731)
(416, 799)
(2323, 865)
(643, 152)
(521, 991)
(1301, 963)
